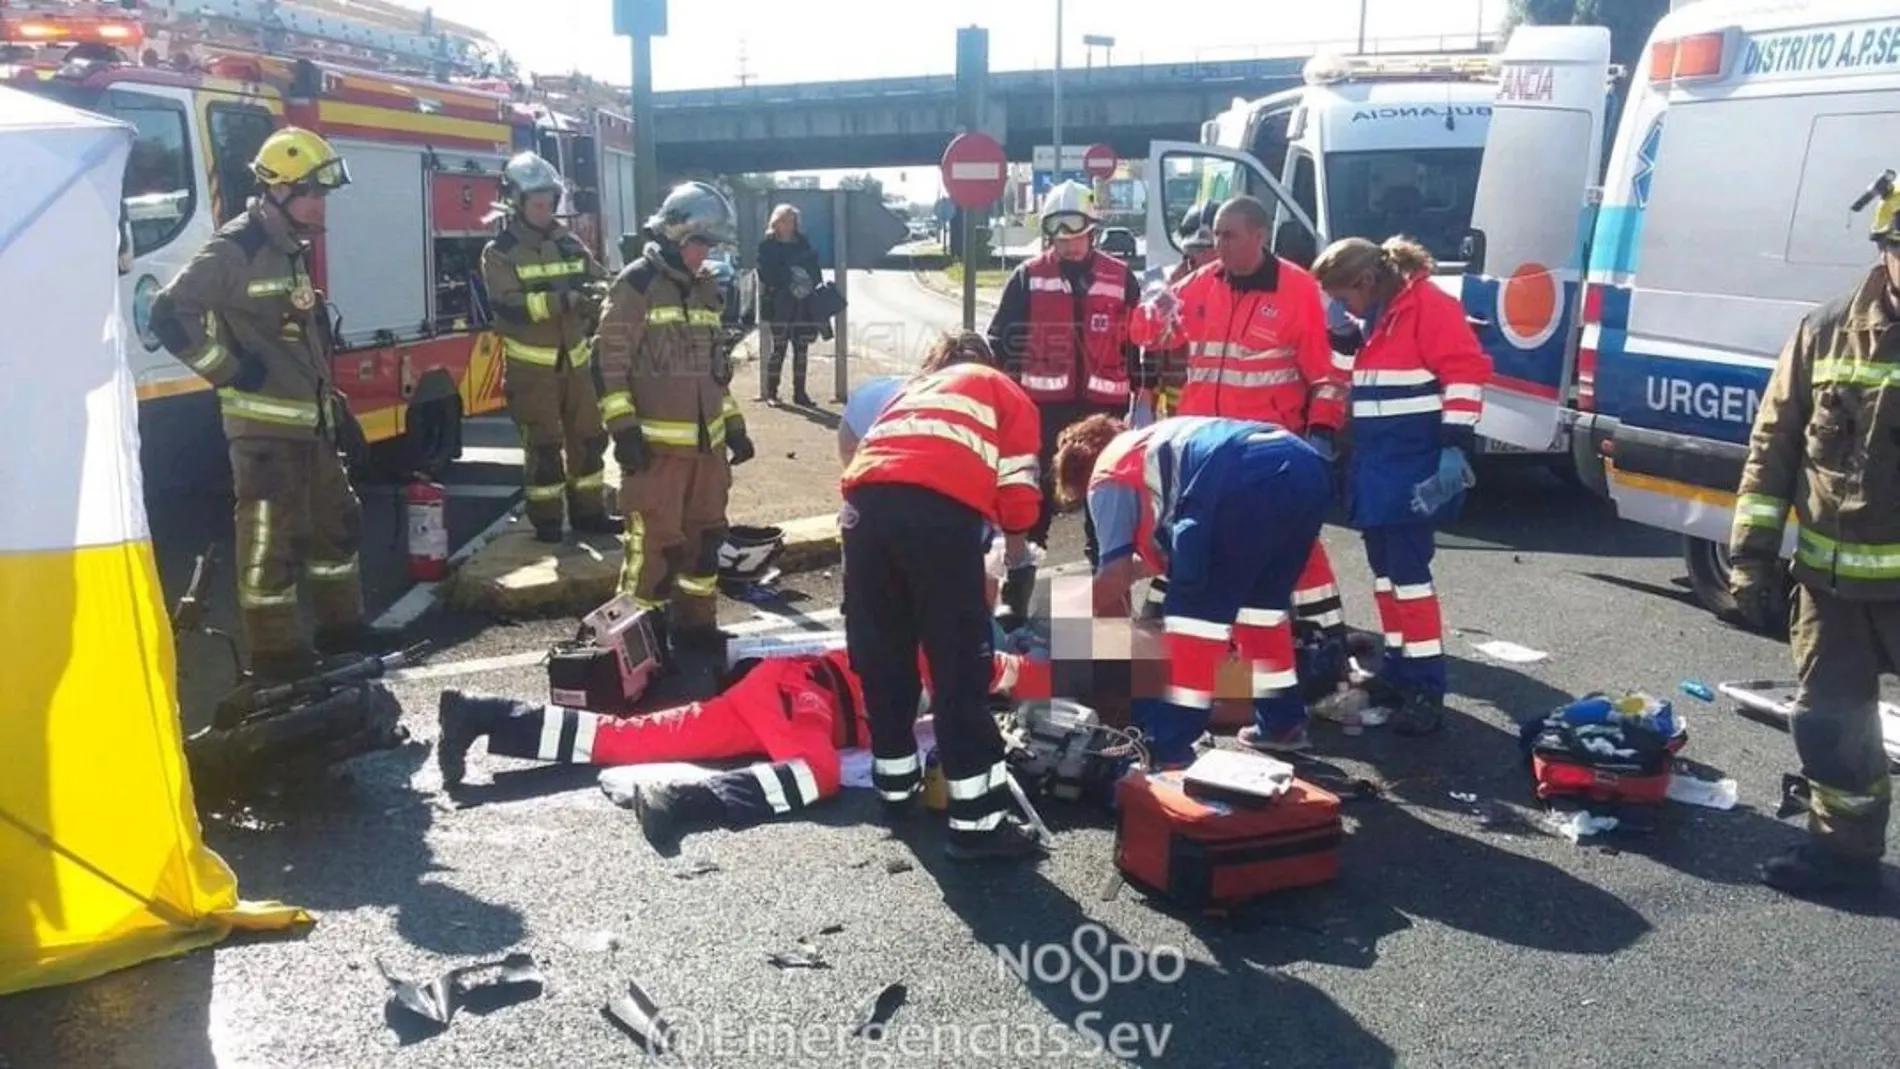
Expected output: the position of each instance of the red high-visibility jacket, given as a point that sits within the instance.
(1257, 348)
(1050, 369)
(967, 432)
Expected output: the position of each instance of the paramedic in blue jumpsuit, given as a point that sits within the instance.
(1227, 510)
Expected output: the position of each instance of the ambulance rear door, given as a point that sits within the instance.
(1530, 225)
(1181, 174)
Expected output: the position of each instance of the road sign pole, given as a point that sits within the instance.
(969, 269)
(840, 237)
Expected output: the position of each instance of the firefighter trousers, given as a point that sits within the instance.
(297, 519)
(1840, 649)
(1401, 560)
(916, 579)
(563, 442)
(781, 711)
(676, 522)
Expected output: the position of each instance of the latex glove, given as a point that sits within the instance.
(1454, 476)
(630, 450)
(739, 443)
(1141, 409)
(1752, 583)
(1321, 439)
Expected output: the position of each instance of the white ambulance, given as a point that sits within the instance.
(1370, 146)
(1751, 128)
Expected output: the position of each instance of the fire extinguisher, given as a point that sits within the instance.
(426, 504)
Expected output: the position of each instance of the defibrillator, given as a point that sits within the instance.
(1060, 749)
(610, 663)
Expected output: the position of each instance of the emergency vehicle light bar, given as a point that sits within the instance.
(1333, 70)
(1697, 57)
(54, 29)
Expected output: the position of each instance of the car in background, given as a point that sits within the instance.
(1117, 241)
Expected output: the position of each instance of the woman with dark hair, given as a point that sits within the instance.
(953, 451)
(788, 274)
(1417, 393)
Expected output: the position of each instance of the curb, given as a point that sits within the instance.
(983, 298)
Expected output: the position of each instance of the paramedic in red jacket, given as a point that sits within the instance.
(1061, 330)
(796, 712)
(954, 451)
(1255, 330)
(1417, 393)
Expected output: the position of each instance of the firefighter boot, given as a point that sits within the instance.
(598, 523)
(1019, 589)
(668, 811)
(358, 638)
(1008, 841)
(1813, 869)
(463, 718)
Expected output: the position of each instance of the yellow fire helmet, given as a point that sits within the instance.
(298, 158)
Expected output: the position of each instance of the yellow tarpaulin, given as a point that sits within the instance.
(102, 864)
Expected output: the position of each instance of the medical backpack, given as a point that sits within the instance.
(1210, 854)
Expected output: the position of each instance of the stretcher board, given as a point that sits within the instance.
(1774, 701)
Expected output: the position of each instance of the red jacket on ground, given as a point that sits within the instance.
(1257, 347)
(967, 432)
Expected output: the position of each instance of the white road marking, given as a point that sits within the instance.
(491, 454)
(422, 597)
(479, 491)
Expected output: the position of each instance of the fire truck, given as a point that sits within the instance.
(425, 112)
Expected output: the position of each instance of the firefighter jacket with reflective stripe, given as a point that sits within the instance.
(967, 432)
(1256, 347)
(1062, 329)
(244, 315)
(1417, 387)
(1166, 462)
(1827, 444)
(664, 363)
(529, 276)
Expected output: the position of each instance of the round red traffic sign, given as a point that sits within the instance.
(974, 170)
(1099, 161)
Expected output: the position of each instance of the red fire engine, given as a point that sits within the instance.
(425, 112)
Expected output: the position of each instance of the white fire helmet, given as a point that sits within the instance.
(1068, 210)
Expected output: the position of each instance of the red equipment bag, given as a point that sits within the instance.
(1204, 854)
(1564, 767)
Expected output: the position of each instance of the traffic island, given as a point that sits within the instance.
(793, 474)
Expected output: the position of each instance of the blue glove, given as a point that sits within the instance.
(1322, 442)
(1454, 476)
(1141, 410)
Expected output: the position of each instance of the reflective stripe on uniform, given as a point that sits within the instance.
(1855, 373)
(684, 435)
(699, 586)
(633, 560)
(1018, 471)
(549, 492)
(1228, 376)
(545, 355)
(933, 428)
(267, 409)
(583, 483)
(1834, 802)
(1761, 510)
(699, 317)
(330, 571)
(1045, 382)
(269, 287)
(210, 360)
(252, 593)
(557, 269)
(540, 307)
(980, 411)
(728, 407)
(615, 405)
(1849, 560)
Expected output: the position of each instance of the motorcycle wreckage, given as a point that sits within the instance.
(259, 736)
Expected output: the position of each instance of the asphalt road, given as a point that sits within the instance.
(1446, 942)
(893, 313)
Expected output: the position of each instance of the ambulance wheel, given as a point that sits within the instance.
(1585, 467)
(1708, 578)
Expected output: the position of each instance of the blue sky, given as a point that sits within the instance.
(708, 44)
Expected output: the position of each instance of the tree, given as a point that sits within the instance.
(1629, 21)
(862, 181)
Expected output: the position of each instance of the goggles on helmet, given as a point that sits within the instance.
(326, 177)
(1066, 225)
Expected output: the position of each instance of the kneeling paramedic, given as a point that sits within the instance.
(245, 316)
(666, 371)
(546, 289)
(1823, 447)
(795, 712)
(1227, 511)
(956, 448)
(1417, 393)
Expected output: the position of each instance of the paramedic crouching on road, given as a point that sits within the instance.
(1061, 330)
(297, 515)
(665, 398)
(1227, 511)
(954, 449)
(1417, 393)
(1827, 444)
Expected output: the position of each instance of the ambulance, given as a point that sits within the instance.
(1751, 128)
(203, 82)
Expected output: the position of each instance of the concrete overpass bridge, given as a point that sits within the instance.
(900, 122)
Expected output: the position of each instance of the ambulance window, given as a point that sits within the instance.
(1425, 194)
(1845, 154)
(159, 192)
(236, 133)
(1267, 140)
(1304, 185)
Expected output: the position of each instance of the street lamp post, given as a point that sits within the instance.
(1055, 173)
(1362, 26)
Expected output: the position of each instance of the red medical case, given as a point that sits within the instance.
(1204, 854)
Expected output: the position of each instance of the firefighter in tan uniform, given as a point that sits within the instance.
(666, 371)
(546, 288)
(1826, 444)
(244, 315)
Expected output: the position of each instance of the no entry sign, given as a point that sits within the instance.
(974, 170)
(1099, 161)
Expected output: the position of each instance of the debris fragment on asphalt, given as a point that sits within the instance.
(697, 869)
(1510, 652)
(1709, 794)
(516, 979)
(831, 929)
(897, 865)
(875, 1010)
(1463, 796)
(1796, 797)
(806, 956)
(595, 942)
(1580, 824)
(640, 1015)
(1695, 688)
